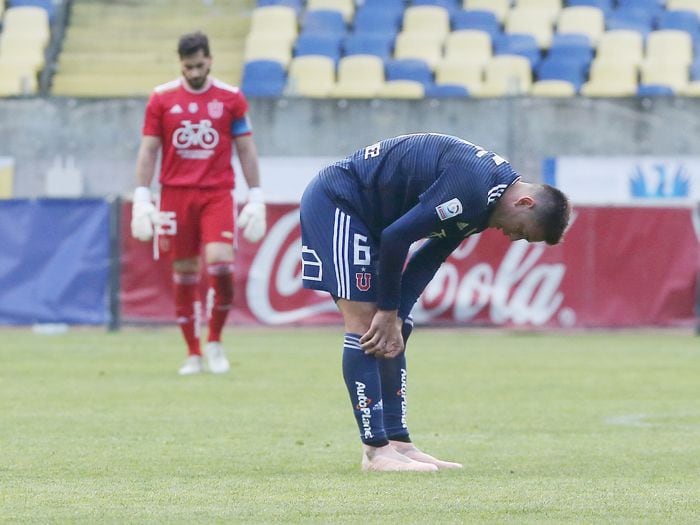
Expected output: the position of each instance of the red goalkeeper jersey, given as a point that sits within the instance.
(195, 128)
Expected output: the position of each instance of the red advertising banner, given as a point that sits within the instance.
(618, 267)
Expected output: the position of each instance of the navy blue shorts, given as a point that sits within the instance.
(338, 253)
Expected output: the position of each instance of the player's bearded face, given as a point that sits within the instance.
(195, 69)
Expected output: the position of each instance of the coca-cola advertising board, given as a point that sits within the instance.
(618, 267)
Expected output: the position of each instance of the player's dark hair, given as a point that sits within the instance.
(552, 213)
(191, 43)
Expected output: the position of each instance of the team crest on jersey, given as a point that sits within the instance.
(215, 109)
(193, 107)
(363, 281)
(449, 209)
(176, 109)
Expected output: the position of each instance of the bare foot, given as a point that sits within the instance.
(410, 451)
(387, 459)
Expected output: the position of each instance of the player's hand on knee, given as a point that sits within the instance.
(383, 339)
(144, 215)
(252, 219)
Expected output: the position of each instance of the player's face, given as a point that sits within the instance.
(520, 223)
(195, 69)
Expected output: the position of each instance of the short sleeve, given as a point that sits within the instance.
(152, 119)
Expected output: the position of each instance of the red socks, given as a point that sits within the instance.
(219, 297)
(188, 309)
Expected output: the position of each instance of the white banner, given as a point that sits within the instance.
(626, 180)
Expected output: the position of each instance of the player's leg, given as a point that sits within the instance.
(336, 259)
(218, 236)
(394, 375)
(178, 239)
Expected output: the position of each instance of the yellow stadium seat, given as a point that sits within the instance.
(467, 74)
(550, 8)
(268, 47)
(608, 88)
(421, 46)
(553, 88)
(359, 76)
(426, 19)
(275, 19)
(532, 21)
(311, 76)
(621, 44)
(692, 89)
(671, 74)
(611, 78)
(468, 46)
(404, 89)
(687, 5)
(498, 7)
(669, 45)
(346, 7)
(583, 19)
(16, 79)
(507, 75)
(29, 58)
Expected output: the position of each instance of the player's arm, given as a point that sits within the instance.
(144, 214)
(252, 217)
(384, 335)
(421, 268)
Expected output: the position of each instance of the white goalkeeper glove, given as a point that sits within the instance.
(252, 217)
(144, 215)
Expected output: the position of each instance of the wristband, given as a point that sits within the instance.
(256, 195)
(142, 194)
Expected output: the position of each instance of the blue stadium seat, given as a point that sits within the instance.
(605, 5)
(409, 69)
(326, 44)
(323, 21)
(632, 18)
(562, 69)
(572, 47)
(297, 5)
(377, 44)
(376, 20)
(518, 44)
(652, 6)
(263, 78)
(476, 19)
(654, 90)
(450, 5)
(445, 91)
(682, 20)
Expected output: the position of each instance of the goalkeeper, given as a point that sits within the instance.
(359, 217)
(196, 121)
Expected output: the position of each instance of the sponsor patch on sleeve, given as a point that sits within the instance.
(449, 209)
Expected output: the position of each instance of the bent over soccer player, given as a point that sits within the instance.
(196, 120)
(359, 217)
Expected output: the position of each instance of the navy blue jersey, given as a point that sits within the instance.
(413, 187)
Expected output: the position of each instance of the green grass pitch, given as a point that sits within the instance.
(98, 427)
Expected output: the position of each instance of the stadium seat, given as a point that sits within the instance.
(421, 46)
(278, 20)
(689, 5)
(311, 76)
(655, 90)
(450, 5)
(318, 44)
(345, 7)
(478, 20)
(532, 21)
(669, 45)
(49, 6)
(564, 69)
(631, 18)
(610, 78)
(468, 46)
(359, 76)
(665, 73)
(573, 47)
(605, 6)
(518, 44)
(552, 88)
(377, 44)
(692, 89)
(263, 78)
(323, 21)
(16, 79)
(297, 5)
(446, 91)
(430, 19)
(268, 47)
(683, 20)
(26, 23)
(499, 8)
(394, 7)
(408, 69)
(401, 89)
(374, 20)
(586, 20)
(549, 8)
(652, 6)
(621, 44)
(465, 74)
(506, 75)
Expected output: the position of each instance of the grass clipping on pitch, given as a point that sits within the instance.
(98, 428)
